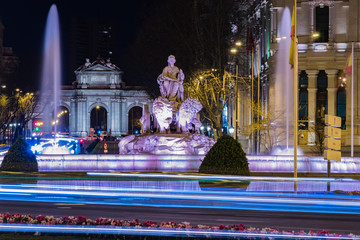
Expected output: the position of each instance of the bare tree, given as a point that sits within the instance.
(213, 89)
(197, 32)
(9, 105)
(27, 110)
(319, 130)
(269, 125)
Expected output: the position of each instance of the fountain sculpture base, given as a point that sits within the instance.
(174, 144)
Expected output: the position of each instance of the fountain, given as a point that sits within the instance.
(51, 69)
(177, 121)
(51, 76)
(283, 104)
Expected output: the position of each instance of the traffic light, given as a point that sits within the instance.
(37, 126)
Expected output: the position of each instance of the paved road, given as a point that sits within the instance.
(283, 220)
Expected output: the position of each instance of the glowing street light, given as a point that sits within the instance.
(238, 43)
(233, 50)
(280, 38)
(231, 130)
(316, 35)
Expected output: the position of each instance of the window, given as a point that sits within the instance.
(322, 23)
(341, 106)
(321, 96)
(303, 100)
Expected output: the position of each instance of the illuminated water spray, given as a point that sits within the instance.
(51, 69)
(284, 77)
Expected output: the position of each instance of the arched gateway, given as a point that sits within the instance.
(99, 89)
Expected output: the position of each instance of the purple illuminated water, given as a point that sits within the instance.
(283, 104)
(51, 69)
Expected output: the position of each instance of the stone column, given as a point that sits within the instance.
(356, 106)
(331, 23)
(112, 115)
(312, 89)
(72, 117)
(115, 124)
(123, 116)
(81, 116)
(311, 15)
(332, 90)
(86, 131)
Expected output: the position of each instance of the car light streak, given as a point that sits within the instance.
(188, 197)
(181, 176)
(35, 188)
(189, 201)
(157, 232)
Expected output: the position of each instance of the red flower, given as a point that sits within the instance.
(81, 219)
(239, 227)
(323, 232)
(40, 218)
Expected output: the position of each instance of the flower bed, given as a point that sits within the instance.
(81, 220)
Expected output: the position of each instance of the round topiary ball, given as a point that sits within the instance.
(225, 157)
(19, 158)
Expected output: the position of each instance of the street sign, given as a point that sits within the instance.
(332, 140)
(332, 132)
(332, 155)
(332, 120)
(333, 143)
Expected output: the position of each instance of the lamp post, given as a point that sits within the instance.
(236, 96)
(202, 129)
(231, 130)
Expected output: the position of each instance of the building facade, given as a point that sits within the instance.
(98, 102)
(324, 87)
(9, 62)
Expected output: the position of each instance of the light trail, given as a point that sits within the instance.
(185, 197)
(183, 176)
(36, 187)
(196, 200)
(158, 232)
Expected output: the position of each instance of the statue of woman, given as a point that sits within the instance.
(171, 80)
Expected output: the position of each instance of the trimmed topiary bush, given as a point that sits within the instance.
(225, 157)
(19, 158)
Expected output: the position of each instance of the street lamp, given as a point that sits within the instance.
(202, 129)
(316, 35)
(238, 43)
(233, 50)
(231, 130)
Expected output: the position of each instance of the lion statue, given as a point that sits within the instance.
(188, 117)
(162, 110)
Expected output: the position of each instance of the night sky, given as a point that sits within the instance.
(25, 21)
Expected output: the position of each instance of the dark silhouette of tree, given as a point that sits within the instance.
(197, 32)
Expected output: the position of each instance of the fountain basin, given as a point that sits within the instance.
(186, 163)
